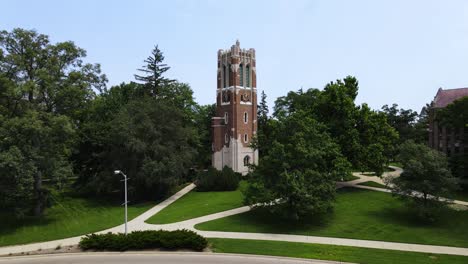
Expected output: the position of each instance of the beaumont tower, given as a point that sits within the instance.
(235, 123)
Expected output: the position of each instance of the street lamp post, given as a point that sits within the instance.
(126, 202)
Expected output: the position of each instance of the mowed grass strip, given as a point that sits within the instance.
(358, 214)
(68, 217)
(330, 252)
(195, 204)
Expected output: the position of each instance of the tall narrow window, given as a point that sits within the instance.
(246, 117)
(241, 75)
(226, 117)
(247, 75)
(225, 76)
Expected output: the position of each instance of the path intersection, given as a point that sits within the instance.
(139, 223)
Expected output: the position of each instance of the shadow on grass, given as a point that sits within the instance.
(9, 223)
(63, 207)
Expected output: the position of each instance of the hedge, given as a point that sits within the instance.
(214, 180)
(171, 240)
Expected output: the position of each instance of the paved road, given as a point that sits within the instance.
(151, 258)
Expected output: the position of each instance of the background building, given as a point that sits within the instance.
(235, 123)
(443, 138)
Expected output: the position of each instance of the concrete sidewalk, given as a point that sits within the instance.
(133, 225)
(139, 224)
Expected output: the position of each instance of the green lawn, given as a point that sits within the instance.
(67, 218)
(373, 184)
(196, 204)
(462, 194)
(351, 178)
(360, 214)
(396, 164)
(330, 252)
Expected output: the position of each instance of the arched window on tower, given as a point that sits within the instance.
(247, 160)
(247, 75)
(241, 75)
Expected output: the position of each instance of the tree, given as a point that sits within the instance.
(376, 139)
(44, 90)
(337, 109)
(297, 177)
(425, 179)
(262, 111)
(97, 121)
(203, 115)
(154, 69)
(405, 122)
(261, 142)
(359, 131)
(34, 147)
(151, 141)
(52, 77)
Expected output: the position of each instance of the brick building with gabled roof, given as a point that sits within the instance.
(446, 139)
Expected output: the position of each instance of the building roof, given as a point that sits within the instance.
(445, 97)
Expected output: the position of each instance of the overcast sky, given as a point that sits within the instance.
(400, 51)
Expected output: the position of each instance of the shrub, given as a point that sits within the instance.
(214, 180)
(170, 240)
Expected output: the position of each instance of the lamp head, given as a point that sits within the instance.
(117, 172)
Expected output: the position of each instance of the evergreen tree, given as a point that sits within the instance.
(261, 140)
(154, 69)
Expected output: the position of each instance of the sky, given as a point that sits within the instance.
(400, 51)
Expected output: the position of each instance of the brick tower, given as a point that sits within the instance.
(235, 123)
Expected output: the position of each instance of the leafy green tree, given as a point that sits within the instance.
(377, 140)
(364, 136)
(336, 109)
(426, 178)
(44, 90)
(296, 101)
(34, 147)
(153, 71)
(93, 132)
(202, 120)
(297, 177)
(181, 96)
(151, 141)
(402, 120)
(52, 77)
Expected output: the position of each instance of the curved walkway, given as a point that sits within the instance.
(364, 178)
(139, 224)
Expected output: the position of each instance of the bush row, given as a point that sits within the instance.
(215, 180)
(162, 239)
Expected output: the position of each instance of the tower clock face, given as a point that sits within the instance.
(245, 97)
